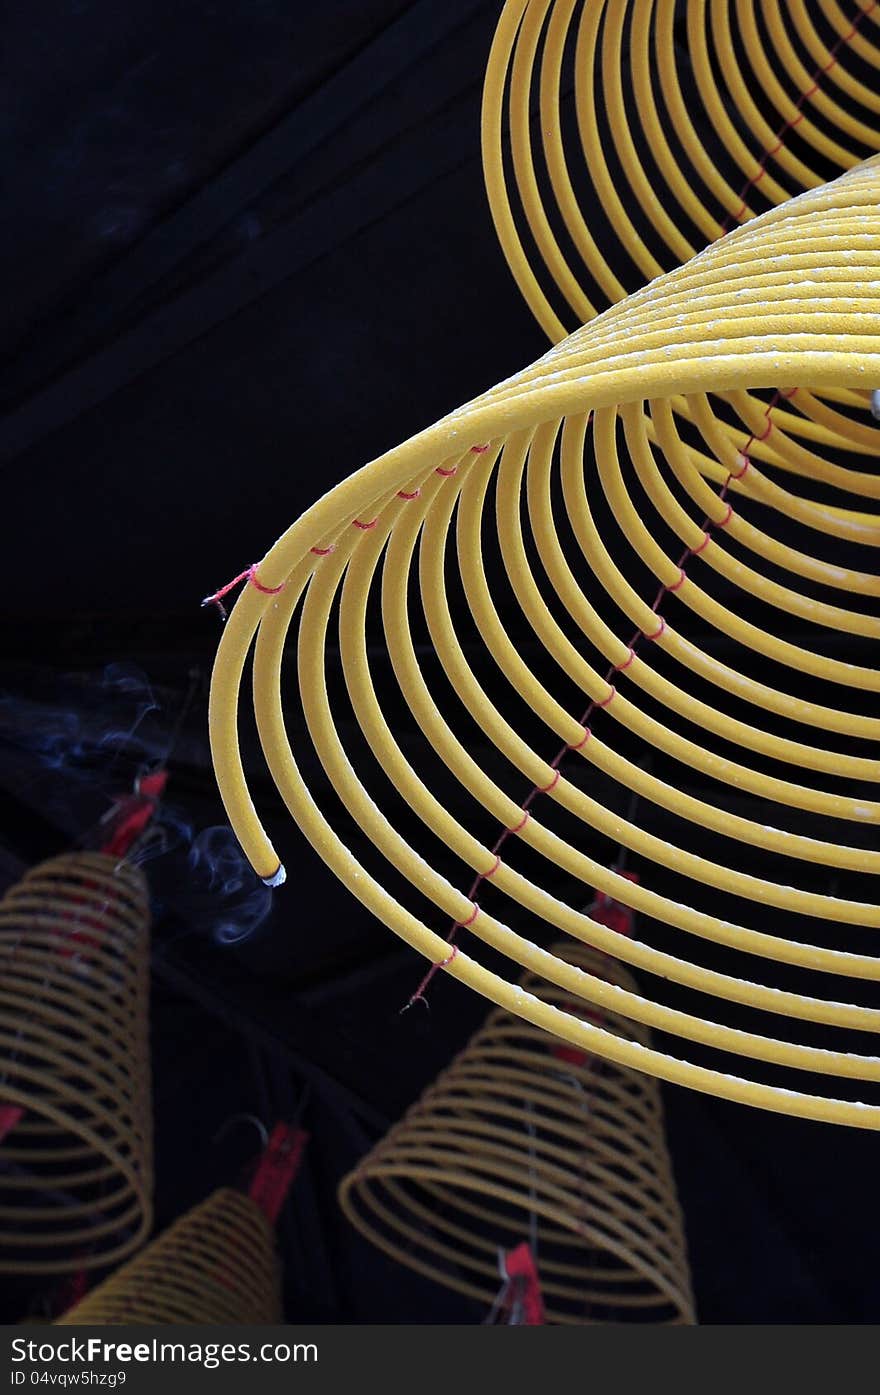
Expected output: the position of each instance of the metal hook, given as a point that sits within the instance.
(239, 1119)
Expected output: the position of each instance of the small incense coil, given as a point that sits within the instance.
(76, 1167)
(782, 96)
(576, 484)
(522, 1138)
(216, 1264)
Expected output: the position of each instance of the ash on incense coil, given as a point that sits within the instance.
(76, 1159)
(216, 1264)
(520, 1139)
(576, 489)
(782, 95)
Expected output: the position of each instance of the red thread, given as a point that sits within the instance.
(419, 995)
(494, 868)
(610, 698)
(727, 517)
(676, 585)
(765, 433)
(579, 746)
(518, 828)
(402, 494)
(266, 590)
(545, 789)
(323, 551)
(619, 668)
(365, 526)
(447, 473)
(659, 632)
(478, 450)
(695, 552)
(249, 575)
(793, 121)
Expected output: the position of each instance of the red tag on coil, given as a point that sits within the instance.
(9, 1117)
(524, 1300)
(277, 1169)
(617, 917)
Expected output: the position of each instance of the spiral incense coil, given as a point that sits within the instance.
(522, 1138)
(216, 1264)
(76, 1166)
(641, 130)
(543, 516)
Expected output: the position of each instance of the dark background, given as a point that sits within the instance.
(248, 248)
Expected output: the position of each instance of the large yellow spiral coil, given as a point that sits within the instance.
(76, 1167)
(621, 136)
(216, 1264)
(693, 477)
(521, 1141)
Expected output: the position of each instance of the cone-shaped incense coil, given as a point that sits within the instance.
(620, 571)
(525, 1139)
(216, 1264)
(76, 1164)
(622, 136)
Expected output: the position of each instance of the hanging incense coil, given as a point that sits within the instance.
(216, 1264)
(524, 1139)
(76, 1162)
(574, 492)
(622, 136)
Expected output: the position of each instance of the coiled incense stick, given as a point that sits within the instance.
(522, 1139)
(216, 1264)
(681, 122)
(616, 483)
(76, 1162)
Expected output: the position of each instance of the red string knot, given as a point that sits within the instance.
(365, 527)
(518, 828)
(463, 924)
(402, 494)
(479, 450)
(579, 745)
(658, 633)
(610, 698)
(447, 473)
(545, 789)
(253, 580)
(250, 576)
(631, 653)
(727, 517)
(766, 432)
(703, 545)
(738, 474)
(677, 585)
(494, 868)
(323, 551)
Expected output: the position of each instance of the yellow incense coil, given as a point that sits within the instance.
(621, 136)
(76, 1165)
(520, 1139)
(574, 531)
(216, 1264)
